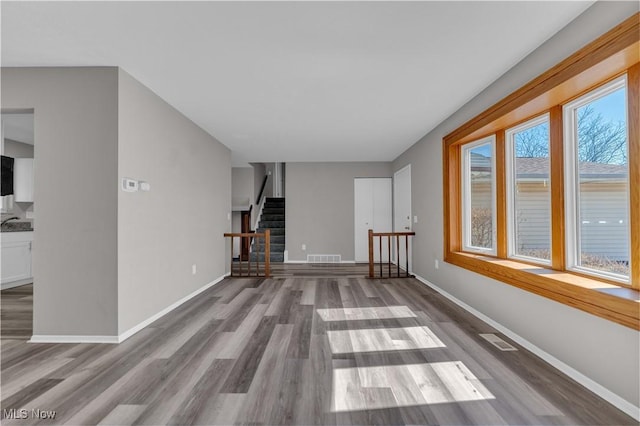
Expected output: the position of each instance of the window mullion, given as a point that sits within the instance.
(633, 111)
(556, 154)
(501, 195)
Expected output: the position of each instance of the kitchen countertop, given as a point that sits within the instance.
(16, 227)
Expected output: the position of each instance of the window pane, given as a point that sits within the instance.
(531, 193)
(603, 227)
(481, 196)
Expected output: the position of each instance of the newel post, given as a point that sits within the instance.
(267, 252)
(370, 253)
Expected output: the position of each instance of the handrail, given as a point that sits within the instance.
(389, 235)
(239, 271)
(258, 214)
(264, 183)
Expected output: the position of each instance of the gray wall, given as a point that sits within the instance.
(74, 249)
(320, 206)
(601, 350)
(269, 170)
(242, 182)
(242, 195)
(180, 222)
(259, 171)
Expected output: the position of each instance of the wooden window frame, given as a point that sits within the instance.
(615, 53)
(511, 188)
(572, 193)
(466, 197)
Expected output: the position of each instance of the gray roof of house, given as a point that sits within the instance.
(538, 168)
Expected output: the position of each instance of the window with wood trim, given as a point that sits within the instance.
(479, 189)
(542, 190)
(529, 191)
(597, 182)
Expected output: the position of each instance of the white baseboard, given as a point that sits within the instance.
(585, 381)
(133, 330)
(45, 338)
(123, 336)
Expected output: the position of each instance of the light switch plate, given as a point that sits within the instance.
(129, 185)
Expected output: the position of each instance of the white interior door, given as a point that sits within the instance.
(372, 210)
(402, 210)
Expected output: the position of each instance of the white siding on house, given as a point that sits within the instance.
(533, 212)
(604, 224)
(602, 208)
(481, 195)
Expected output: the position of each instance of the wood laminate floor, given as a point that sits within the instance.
(16, 316)
(325, 346)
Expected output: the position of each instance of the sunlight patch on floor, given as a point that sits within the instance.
(388, 386)
(371, 313)
(382, 339)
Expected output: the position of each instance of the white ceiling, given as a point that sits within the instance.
(294, 81)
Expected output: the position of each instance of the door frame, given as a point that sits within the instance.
(406, 168)
(361, 238)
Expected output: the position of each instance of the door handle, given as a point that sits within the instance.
(407, 228)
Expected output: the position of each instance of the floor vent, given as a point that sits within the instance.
(324, 258)
(498, 342)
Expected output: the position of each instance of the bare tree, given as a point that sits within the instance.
(481, 227)
(533, 142)
(599, 140)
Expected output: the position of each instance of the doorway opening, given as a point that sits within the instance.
(17, 224)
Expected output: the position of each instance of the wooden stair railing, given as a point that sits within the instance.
(238, 268)
(398, 246)
(245, 228)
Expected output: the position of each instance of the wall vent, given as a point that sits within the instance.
(324, 258)
(498, 342)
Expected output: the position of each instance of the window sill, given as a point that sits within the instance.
(615, 303)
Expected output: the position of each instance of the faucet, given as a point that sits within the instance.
(7, 220)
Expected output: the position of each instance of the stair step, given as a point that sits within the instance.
(271, 224)
(274, 205)
(272, 217)
(274, 257)
(277, 239)
(274, 231)
(275, 248)
(272, 211)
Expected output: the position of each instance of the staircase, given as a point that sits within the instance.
(272, 218)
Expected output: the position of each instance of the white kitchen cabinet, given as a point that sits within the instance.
(16, 257)
(23, 180)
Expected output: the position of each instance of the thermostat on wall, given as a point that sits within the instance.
(129, 185)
